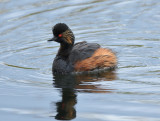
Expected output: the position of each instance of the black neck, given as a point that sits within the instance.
(65, 50)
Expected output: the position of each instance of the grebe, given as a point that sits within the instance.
(81, 56)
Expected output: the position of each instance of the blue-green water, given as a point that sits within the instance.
(28, 91)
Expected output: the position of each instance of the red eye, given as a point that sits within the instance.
(60, 35)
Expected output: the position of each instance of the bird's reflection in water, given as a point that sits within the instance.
(65, 108)
(71, 84)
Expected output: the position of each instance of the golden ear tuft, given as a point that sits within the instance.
(69, 40)
(68, 36)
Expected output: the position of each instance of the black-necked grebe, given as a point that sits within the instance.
(81, 56)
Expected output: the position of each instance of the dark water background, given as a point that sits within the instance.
(28, 91)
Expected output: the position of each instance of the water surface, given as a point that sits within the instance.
(29, 91)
